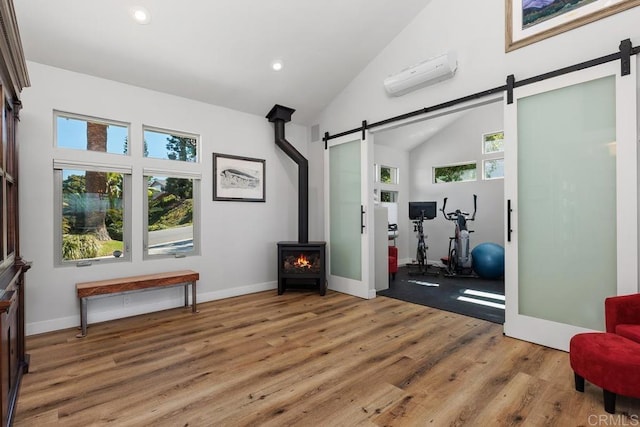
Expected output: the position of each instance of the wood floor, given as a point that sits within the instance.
(304, 360)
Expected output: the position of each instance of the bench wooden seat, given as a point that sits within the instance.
(107, 287)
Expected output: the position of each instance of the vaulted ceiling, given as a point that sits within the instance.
(218, 51)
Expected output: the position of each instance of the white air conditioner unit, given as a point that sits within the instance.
(425, 73)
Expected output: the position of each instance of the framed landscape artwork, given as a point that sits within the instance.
(237, 178)
(529, 21)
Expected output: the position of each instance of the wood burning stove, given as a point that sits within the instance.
(301, 265)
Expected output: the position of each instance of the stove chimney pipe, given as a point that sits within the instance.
(279, 115)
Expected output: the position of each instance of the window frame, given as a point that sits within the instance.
(434, 169)
(394, 195)
(197, 198)
(484, 169)
(87, 118)
(182, 134)
(394, 172)
(59, 166)
(484, 141)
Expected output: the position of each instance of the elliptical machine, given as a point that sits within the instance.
(459, 262)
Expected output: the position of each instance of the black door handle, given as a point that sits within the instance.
(361, 219)
(509, 210)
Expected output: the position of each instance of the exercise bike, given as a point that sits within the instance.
(459, 262)
(421, 251)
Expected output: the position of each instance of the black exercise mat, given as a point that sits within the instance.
(443, 293)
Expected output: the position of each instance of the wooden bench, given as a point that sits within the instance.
(122, 285)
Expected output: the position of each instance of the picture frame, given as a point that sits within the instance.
(549, 21)
(238, 178)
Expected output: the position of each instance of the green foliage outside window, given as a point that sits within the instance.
(457, 173)
(493, 142)
(388, 175)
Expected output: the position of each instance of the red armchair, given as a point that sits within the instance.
(610, 360)
(393, 261)
(622, 315)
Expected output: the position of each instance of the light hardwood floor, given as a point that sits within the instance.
(305, 360)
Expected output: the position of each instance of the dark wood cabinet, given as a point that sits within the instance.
(14, 362)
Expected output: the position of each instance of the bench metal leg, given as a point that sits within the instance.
(193, 296)
(186, 295)
(83, 318)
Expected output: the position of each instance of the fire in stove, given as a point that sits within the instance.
(302, 263)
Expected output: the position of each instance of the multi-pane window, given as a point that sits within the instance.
(170, 215)
(160, 144)
(94, 208)
(455, 173)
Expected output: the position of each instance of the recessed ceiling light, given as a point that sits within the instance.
(276, 65)
(141, 15)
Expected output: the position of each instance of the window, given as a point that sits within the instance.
(93, 201)
(388, 196)
(388, 175)
(455, 173)
(493, 168)
(169, 219)
(91, 134)
(493, 142)
(91, 208)
(170, 145)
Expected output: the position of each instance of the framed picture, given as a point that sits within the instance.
(239, 179)
(529, 21)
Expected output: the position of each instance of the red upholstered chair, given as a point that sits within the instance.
(622, 315)
(393, 261)
(611, 360)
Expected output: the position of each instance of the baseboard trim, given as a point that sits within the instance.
(33, 328)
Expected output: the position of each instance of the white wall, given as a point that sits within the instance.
(238, 239)
(389, 156)
(475, 30)
(460, 142)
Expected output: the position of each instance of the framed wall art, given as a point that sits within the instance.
(236, 178)
(529, 21)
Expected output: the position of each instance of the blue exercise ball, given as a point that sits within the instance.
(488, 260)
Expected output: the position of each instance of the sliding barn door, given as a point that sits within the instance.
(571, 186)
(349, 215)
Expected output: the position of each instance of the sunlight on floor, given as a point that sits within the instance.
(481, 294)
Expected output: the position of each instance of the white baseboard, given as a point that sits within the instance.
(34, 328)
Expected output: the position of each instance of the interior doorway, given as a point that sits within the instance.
(417, 150)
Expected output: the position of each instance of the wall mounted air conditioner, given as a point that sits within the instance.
(425, 73)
